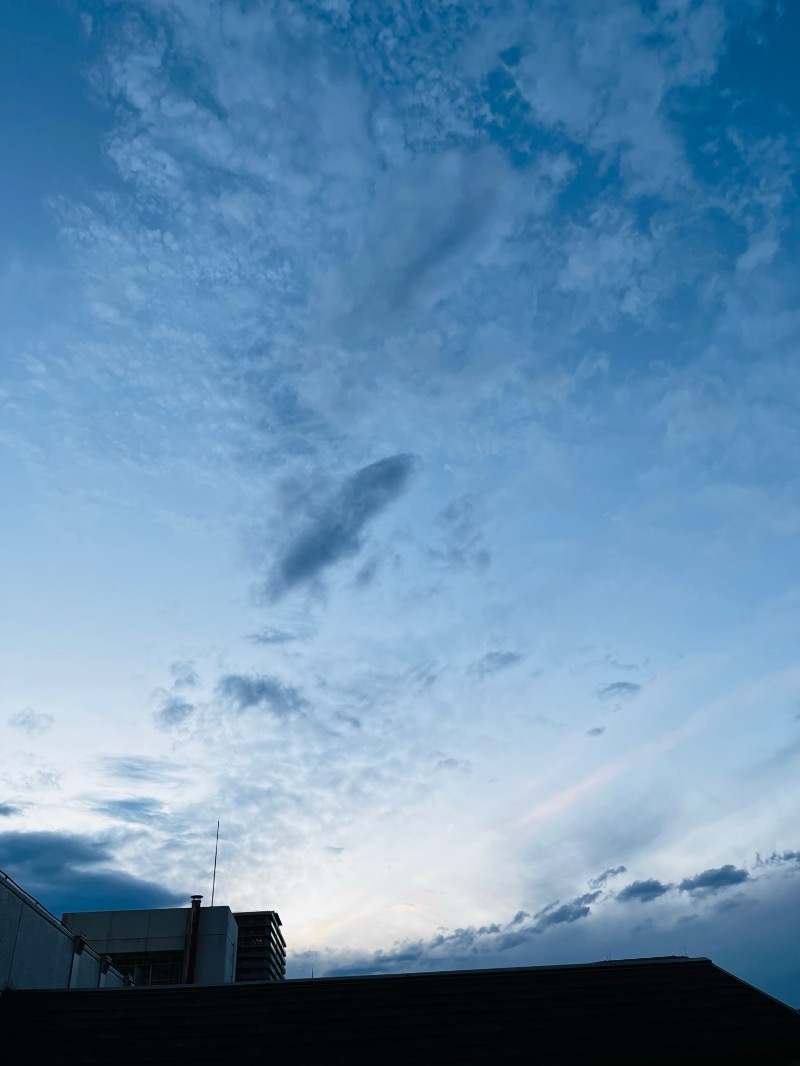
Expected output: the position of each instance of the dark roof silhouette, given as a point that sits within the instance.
(647, 1010)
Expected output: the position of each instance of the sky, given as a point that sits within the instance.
(399, 449)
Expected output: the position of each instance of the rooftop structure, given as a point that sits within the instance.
(179, 945)
(169, 946)
(640, 1011)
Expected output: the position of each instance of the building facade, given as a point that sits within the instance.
(261, 954)
(170, 946)
(39, 951)
(179, 945)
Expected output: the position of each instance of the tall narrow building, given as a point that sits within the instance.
(261, 949)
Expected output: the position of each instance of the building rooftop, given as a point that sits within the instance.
(646, 1010)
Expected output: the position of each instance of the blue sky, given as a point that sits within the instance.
(399, 448)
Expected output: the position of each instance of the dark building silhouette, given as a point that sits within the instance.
(673, 1010)
(261, 949)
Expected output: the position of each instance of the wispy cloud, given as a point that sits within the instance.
(274, 635)
(336, 530)
(618, 691)
(600, 879)
(139, 767)
(243, 692)
(172, 710)
(184, 674)
(463, 542)
(143, 809)
(34, 723)
(495, 661)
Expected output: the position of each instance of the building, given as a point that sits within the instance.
(671, 1010)
(155, 947)
(39, 951)
(261, 951)
(170, 946)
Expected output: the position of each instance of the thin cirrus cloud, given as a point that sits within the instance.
(273, 635)
(336, 531)
(142, 809)
(172, 710)
(494, 661)
(34, 723)
(619, 691)
(139, 767)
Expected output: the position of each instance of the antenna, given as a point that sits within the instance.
(214, 879)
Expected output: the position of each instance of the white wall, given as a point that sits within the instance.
(166, 929)
(37, 951)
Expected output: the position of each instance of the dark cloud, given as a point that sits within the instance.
(596, 882)
(758, 940)
(469, 946)
(643, 891)
(172, 710)
(714, 880)
(75, 873)
(7, 809)
(595, 731)
(779, 858)
(260, 690)
(494, 661)
(566, 912)
(337, 530)
(138, 767)
(31, 722)
(142, 809)
(621, 691)
(184, 674)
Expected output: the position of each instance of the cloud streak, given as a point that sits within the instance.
(336, 531)
(618, 692)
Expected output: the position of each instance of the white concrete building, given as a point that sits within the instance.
(176, 945)
(39, 951)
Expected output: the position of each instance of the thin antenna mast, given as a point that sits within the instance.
(214, 879)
